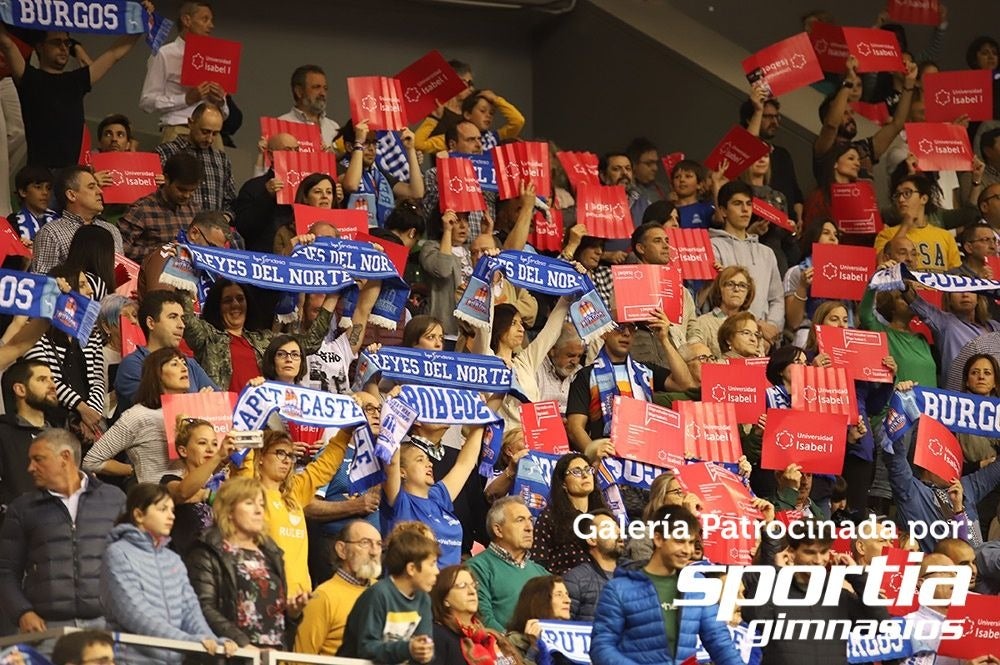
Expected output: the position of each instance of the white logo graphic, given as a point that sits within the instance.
(197, 61)
(926, 145)
(864, 48)
(943, 97)
(820, 46)
(117, 178)
(293, 177)
(830, 271)
(455, 184)
(735, 553)
(580, 168)
(368, 103)
(798, 61)
(809, 394)
(412, 94)
(784, 439)
(719, 392)
(294, 519)
(512, 170)
(867, 371)
(935, 447)
(661, 455)
(693, 431)
(618, 211)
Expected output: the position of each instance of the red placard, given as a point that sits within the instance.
(788, 65)
(604, 210)
(980, 617)
(397, 252)
(349, 223)
(939, 146)
(670, 161)
(710, 432)
(919, 12)
(765, 210)
(10, 243)
(741, 148)
(292, 167)
(427, 83)
(547, 230)
(543, 427)
(948, 95)
(377, 99)
(211, 59)
(722, 495)
(841, 271)
(580, 167)
(132, 336)
(831, 48)
(814, 441)
(993, 262)
(860, 352)
(86, 156)
(692, 251)
(823, 390)
(640, 288)
(937, 451)
(877, 112)
(216, 408)
(892, 582)
(517, 163)
(876, 50)
(855, 208)
(458, 186)
(126, 275)
(132, 174)
(740, 384)
(646, 432)
(307, 134)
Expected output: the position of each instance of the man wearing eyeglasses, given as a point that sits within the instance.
(208, 229)
(762, 117)
(645, 160)
(466, 139)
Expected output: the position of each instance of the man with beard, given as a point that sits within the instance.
(839, 126)
(358, 549)
(586, 581)
(555, 375)
(762, 116)
(30, 384)
(615, 168)
(309, 90)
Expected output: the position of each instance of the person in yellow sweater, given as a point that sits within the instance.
(479, 110)
(358, 550)
(913, 198)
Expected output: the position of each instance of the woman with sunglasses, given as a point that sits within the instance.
(731, 292)
(573, 491)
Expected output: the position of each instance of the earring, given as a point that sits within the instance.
(447, 604)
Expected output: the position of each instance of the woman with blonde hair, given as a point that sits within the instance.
(731, 292)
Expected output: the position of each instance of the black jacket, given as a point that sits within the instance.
(585, 583)
(49, 566)
(258, 215)
(16, 436)
(213, 576)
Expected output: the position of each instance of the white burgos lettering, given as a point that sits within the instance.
(78, 15)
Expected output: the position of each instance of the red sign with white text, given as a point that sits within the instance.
(604, 210)
(980, 617)
(739, 384)
(892, 583)
(547, 230)
(670, 161)
(765, 210)
(918, 12)
(855, 208)
(377, 99)
(740, 148)
(823, 390)
(348, 222)
(521, 162)
(788, 65)
(692, 251)
(211, 59)
(860, 352)
(580, 167)
(831, 48)
(458, 186)
(642, 287)
(307, 134)
(646, 432)
(939, 146)
(937, 451)
(215, 407)
(721, 493)
(132, 174)
(428, 83)
(543, 427)
(710, 432)
(291, 168)
(876, 50)
(877, 112)
(841, 271)
(86, 156)
(948, 95)
(814, 441)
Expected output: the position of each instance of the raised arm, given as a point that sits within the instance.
(102, 65)
(835, 113)
(414, 189)
(14, 58)
(884, 137)
(356, 164)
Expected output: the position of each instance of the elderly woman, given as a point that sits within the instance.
(740, 337)
(731, 292)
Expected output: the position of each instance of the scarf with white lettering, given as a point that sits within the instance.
(892, 279)
(603, 380)
(268, 271)
(304, 406)
(365, 470)
(180, 274)
(570, 638)
(103, 17)
(445, 369)
(534, 272)
(38, 296)
(962, 413)
(361, 260)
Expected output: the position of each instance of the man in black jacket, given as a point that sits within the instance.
(586, 581)
(53, 539)
(29, 385)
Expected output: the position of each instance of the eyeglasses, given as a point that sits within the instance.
(752, 334)
(904, 194)
(990, 240)
(284, 455)
(372, 410)
(103, 660)
(704, 358)
(676, 492)
(462, 586)
(287, 355)
(67, 43)
(366, 543)
(736, 286)
(581, 472)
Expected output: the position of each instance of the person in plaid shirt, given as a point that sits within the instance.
(155, 219)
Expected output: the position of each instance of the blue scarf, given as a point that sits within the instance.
(445, 369)
(485, 170)
(602, 377)
(533, 480)
(570, 638)
(304, 406)
(365, 471)
(390, 155)
(28, 224)
(892, 279)
(103, 17)
(180, 274)
(268, 271)
(535, 272)
(376, 185)
(157, 29)
(38, 296)
(361, 260)
(490, 140)
(962, 413)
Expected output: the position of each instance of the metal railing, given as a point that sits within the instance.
(253, 656)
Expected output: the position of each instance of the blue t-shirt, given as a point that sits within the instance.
(696, 215)
(437, 512)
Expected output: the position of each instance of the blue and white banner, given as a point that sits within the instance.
(304, 406)
(268, 271)
(38, 296)
(886, 646)
(361, 260)
(390, 155)
(446, 369)
(22, 654)
(617, 471)
(485, 170)
(742, 640)
(447, 406)
(893, 279)
(962, 413)
(365, 471)
(157, 29)
(570, 638)
(105, 17)
(533, 480)
(394, 424)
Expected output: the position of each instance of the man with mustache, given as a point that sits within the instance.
(309, 89)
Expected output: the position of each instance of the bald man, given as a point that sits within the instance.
(961, 554)
(900, 249)
(258, 214)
